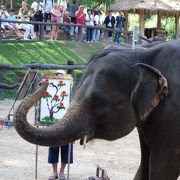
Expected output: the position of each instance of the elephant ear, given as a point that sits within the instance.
(149, 91)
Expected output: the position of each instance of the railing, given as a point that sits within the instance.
(70, 67)
(126, 34)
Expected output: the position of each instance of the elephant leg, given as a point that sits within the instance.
(143, 170)
(164, 164)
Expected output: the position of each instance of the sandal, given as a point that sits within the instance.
(52, 177)
(62, 177)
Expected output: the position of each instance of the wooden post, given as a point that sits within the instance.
(70, 63)
(0, 32)
(177, 25)
(41, 35)
(141, 23)
(126, 21)
(159, 16)
(1, 81)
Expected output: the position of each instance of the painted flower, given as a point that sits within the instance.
(63, 92)
(56, 97)
(61, 82)
(47, 80)
(46, 93)
(61, 104)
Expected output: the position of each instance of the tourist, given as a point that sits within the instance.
(90, 22)
(98, 23)
(80, 19)
(110, 22)
(13, 18)
(37, 15)
(24, 5)
(96, 10)
(29, 28)
(55, 17)
(68, 29)
(47, 7)
(7, 26)
(53, 158)
(62, 4)
(120, 20)
(73, 7)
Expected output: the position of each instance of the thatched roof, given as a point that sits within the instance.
(166, 7)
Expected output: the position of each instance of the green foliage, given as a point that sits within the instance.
(93, 3)
(168, 24)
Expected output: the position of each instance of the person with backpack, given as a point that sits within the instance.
(120, 20)
(37, 15)
(47, 7)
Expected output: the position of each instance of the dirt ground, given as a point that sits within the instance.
(17, 157)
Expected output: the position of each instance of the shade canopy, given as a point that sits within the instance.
(165, 7)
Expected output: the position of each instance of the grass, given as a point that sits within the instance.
(58, 52)
(46, 52)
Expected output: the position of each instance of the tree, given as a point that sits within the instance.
(93, 3)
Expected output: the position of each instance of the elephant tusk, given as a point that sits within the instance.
(84, 141)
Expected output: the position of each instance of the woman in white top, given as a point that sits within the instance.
(62, 4)
(97, 22)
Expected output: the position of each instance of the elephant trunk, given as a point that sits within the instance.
(74, 125)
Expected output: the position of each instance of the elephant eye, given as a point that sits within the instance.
(95, 101)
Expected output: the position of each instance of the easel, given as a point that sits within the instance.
(26, 84)
(38, 117)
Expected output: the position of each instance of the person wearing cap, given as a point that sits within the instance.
(80, 19)
(53, 152)
(5, 25)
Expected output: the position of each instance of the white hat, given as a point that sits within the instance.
(60, 72)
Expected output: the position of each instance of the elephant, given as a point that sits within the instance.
(122, 89)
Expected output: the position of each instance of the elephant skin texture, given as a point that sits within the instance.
(122, 89)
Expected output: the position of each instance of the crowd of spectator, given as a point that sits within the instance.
(62, 12)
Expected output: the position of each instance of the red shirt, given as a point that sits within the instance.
(80, 17)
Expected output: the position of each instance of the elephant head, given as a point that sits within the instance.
(114, 94)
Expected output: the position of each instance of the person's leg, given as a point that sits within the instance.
(26, 33)
(117, 37)
(36, 29)
(53, 157)
(110, 35)
(53, 32)
(94, 35)
(45, 19)
(88, 35)
(80, 34)
(91, 35)
(56, 32)
(31, 31)
(64, 157)
(97, 34)
(119, 40)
